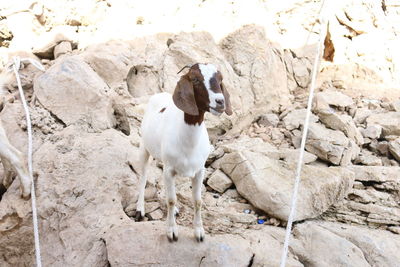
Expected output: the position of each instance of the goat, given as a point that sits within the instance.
(11, 157)
(173, 131)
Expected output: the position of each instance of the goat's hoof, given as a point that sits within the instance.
(26, 191)
(26, 195)
(199, 234)
(172, 234)
(139, 216)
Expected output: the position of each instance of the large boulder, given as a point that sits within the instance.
(267, 183)
(84, 180)
(317, 246)
(380, 248)
(73, 92)
(145, 244)
(111, 61)
(322, 243)
(262, 81)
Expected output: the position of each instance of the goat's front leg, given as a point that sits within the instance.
(143, 162)
(169, 180)
(197, 182)
(11, 156)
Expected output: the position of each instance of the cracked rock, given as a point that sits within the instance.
(266, 183)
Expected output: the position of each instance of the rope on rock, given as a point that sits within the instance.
(16, 64)
(292, 213)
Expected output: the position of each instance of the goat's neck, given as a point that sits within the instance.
(194, 120)
(191, 129)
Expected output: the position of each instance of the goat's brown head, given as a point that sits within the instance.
(201, 90)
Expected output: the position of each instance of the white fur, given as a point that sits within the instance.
(167, 137)
(208, 71)
(183, 150)
(11, 158)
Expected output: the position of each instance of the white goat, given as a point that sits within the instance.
(173, 132)
(11, 158)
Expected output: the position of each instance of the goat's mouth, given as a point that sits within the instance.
(216, 111)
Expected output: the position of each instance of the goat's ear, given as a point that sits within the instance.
(184, 96)
(228, 107)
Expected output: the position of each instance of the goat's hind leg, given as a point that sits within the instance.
(143, 162)
(11, 156)
(197, 182)
(8, 172)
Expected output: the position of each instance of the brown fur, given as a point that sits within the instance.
(192, 98)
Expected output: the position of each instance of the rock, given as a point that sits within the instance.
(84, 175)
(142, 80)
(350, 153)
(342, 123)
(217, 250)
(13, 128)
(247, 143)
(334, 244)
(266, 72)
(367, 158)
(295, 119)
(156, 214)
(394, 148)
(5, 34)
(269, 119)
(301, 70)
(111, 61)
(383, 148)
(389, 121)
(379, 247)
(323, 101)
(389, 162)
(372, 131)
(46, 43)
(327, 144)
(372, 104)
(62, 48)
(277, 136)
(320, 247)
(396, 106)
(219, 181)
(361, 115)
(292, 156)
(257, 145)
(264, 182)
(73, 92)
(373, 200)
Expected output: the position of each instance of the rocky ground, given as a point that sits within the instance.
(87, 106)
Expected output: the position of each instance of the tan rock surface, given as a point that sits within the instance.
(123, 52)
(72, 91)
(267, 184)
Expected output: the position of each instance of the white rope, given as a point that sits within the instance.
(303, 139)
(16, 66)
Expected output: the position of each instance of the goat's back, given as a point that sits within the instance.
(160, 112)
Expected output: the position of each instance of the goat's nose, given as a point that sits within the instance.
(220, 102)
